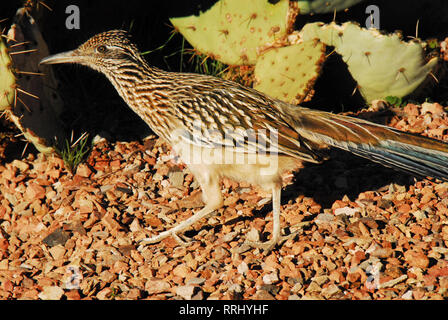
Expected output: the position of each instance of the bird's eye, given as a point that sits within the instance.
(101, 49)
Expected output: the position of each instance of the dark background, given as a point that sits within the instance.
(93, 105)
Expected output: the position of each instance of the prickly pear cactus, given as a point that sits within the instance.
(325, 6)
(28, 95)
(8, 87)
(382, 65)
(7, 78)
(233, 30)
(289, 73)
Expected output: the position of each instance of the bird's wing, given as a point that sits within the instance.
(226, 115)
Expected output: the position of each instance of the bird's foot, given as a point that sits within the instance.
(267, 246)
(164, 235)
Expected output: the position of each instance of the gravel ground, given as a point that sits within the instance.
(358, 231)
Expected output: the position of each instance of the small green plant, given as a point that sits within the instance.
(394, 101)
(74, 153)
(205, 65)
(197, 62)
(115, 293)
(433, 44)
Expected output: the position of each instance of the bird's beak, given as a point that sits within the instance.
(63, 57)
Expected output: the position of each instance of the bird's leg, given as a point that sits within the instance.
(213, 198)
(269, 245)
(180, 227)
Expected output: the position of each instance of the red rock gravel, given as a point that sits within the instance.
(74, 236)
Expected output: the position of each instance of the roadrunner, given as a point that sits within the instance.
(220, 128)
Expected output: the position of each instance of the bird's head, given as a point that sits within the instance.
(103, 52)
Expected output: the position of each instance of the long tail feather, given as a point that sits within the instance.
(391, 147)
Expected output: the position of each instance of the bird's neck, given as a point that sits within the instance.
(142, 88)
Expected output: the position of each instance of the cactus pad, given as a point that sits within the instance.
(325, 6)
(7, 78)
(31, 105)
(232, 30)
(382, 65)
(289, 73)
